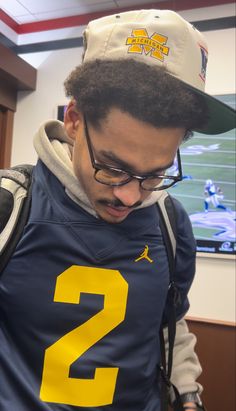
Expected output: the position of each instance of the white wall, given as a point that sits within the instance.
(221, 63)
(214, 290)
(33, 108)
(213, 293)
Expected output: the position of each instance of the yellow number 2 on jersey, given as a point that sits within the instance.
(56, 385)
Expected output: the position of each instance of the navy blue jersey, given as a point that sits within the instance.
(81, 304)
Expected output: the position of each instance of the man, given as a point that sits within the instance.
(213, 194)
(84, 295)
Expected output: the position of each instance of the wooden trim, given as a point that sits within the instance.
(19, 74)
(15, 74)
(8, 94)
(210, 321)
(215, 348)
(6, 129)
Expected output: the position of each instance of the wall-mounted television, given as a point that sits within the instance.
(208, 163)
(208, 188)
(60, 112)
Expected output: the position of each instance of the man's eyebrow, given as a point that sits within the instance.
(123, 165)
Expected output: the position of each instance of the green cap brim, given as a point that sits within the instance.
(221, 116)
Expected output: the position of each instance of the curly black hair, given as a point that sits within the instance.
(148, 93)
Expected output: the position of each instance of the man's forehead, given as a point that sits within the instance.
(126, 141)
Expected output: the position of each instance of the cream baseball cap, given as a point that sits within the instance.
(162, 38)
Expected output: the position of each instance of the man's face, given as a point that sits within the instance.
(124, 142)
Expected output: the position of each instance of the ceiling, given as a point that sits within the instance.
(30, 11)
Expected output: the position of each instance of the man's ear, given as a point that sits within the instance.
(72, 119)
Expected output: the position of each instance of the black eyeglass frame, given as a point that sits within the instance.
(99, 167)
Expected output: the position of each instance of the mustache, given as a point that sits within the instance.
(118, 203)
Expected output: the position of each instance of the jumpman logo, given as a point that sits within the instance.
(144, 255)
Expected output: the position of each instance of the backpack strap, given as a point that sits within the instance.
(15, 200)
(168, 228)
(167, 213)
(169, 233)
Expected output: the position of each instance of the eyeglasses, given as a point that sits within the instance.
(112, 176)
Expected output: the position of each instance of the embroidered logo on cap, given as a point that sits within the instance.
(204, 55)
(140, 43)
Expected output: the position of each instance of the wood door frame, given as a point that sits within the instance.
(15, 74)
(6, 132)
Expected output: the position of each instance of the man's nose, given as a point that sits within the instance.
(129, 194)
